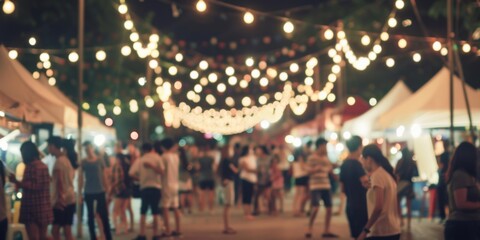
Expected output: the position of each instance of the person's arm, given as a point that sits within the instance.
(233, 168)
(377, 210)
(30, 180)
(156, 169)
(60, 198)
(461, 201)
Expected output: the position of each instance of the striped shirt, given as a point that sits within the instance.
(319, 178)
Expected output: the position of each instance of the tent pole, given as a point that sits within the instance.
(81, 21)
(458, 64)
(450, 65)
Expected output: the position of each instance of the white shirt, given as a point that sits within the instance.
(251, 162)
(147, 176)
(170, 178)
(389, 221)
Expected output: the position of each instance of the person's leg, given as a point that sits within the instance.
(176, 211)
(130, 213)
(3, 229)
(226, 226)
(296, 201)
(441, 201)
(42, 231)
(326, 195)
(155, 197)
(281, 198)
(211, 199)
(313, 215)
(67, 231)
(123, 214)
(116, 215)
(56, 232)
(33, 231)
(145, 204)
(304, 199)
(328, 219)
(166, 221)
(102, 210)
(409, 212)
(89, 201)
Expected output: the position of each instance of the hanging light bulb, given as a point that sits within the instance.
(377, 49)
(229, 71)
(128, 24)
(328, 34)
(263, 82)
(417, 57)
(399, 4)
(134, 37)
(466, 48)
(365, 40)
(248, 17)
(437, 46)
(288, 27)
(172, 70)
(384, 36)
(249, 62)
(194, 74)
(392, 22)
(221, 88)
(126, 50)
(123, 8)
(390, 62)
(201, 6)
(203, 65)
(13, 54)
(179, 57)
(402, 43)
(8, 7)
(101, 55)
(294, 67)
(32, 41)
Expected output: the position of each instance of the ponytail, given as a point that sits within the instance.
(374, 152)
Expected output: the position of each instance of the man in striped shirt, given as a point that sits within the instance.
(319, 167)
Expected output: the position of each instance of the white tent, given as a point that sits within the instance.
(49, 104)
(363, 125)
(429, 107)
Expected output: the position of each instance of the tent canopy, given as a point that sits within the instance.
(429, 107)
(364, 124)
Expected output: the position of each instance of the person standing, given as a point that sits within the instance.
(92, 180)
(463, 195)
(36, 211)
(301, 181)
(248, 175)
(170, 199)
(405, 170)
(442, 198)
(383, 222)
(354, 183)
(120, 190)
(276, 177)
(228, 170)
(206, 167)
(148, 172)
(3, 203)
(186, 184)
(263, 175)
(62, 192)
(319, 166)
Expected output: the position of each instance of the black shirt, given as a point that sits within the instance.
(350, 173)
(226, 171)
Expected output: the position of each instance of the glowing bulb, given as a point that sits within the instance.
(390, 62)
(13, 54)
(392, 22)
(32, 41)
(221, 88)
(244, 83)
(332, 52)
(466, 48)
(351, 101)
(173, 70)
(384, 36)
(309, 72)
(377, 49)
(194, 74)
(232, 80)
(444, 51)
(417, 57)
(203, 64)
(294, 67)
(210, 99)
(402, 43)
(229, 101)
(128, 24)
(288, 27)
(262, 100)
(248, 18)
(336, 69)
(264, 124)
(372, 56)
(149, 102)
(73, 57)
(341, 34)
(249, 62)
(331, 97)
(101, 55)
(47, 65)
(264, 82)
(283, 76)
(246, 101)
(178, 57)
(262, 65)
(8, 7)
(154, 38)
(117, 110)
(201, 6)
(372, 101)
(437, 46)
(365, 40)
(399, 4)
(126, 50)
(212, 77)
(308, 81)
(134, 37)
(44, 57)
(332, 77)
(230, 71)
(122, 8)
(312, 62)
(142, 81)
(134, 135)
(52, 81)
(328, 34)
(153, 64)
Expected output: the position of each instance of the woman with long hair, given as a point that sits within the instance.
(405, 170)
(248, 175)
(384, 221)
(463, 195)
(36, 211)
(228, 170)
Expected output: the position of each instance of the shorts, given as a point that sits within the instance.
(170, 199)
(125, 194)
(207, 185)
(301, 181)
(317, 195)
(64, 217)
(229, 193)
(150, 200)
(247, 192)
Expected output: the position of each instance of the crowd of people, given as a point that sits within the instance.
(180, 180)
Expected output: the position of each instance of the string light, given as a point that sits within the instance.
(13, 54)
(194, 74)
(262, 65)
(154, 38)
(262, 99)
(32, 41)
(264, 82)
(153, 64)
(122, 8)
(255, 73)
(52, 81)
(212, 77)
(229, 101)
(73, 57)
(417, 57)
(328, 34)
(248, 17)
(246, 101)
(392, 22)
(437, 46)
(331, 97)
(466, 48)
(377, 49)
(221, 88)
(283, 76)
(128, 24)
(372, 101)
(444, 51)
(232, 80)
(142, 81)
(117, 110)
(341, 35)
(203, 65)
(243, 83)
(332, 77)
(126, 50)
(173, 70)
(8, 7)
(47, 65)
(402, 43)
(249, 62)
(288, 27)
(294, 67)
(365, 40)
(308, 81)
(179, 57)
(399, 4)
(390, 62)
(384, 36)
(201, 6)
(229, 71)
(101, 55)
(134, 37)
(44, 57)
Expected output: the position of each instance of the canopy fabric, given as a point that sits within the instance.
(364, 124)
(429, 107)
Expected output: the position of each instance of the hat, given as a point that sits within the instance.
(55, 141)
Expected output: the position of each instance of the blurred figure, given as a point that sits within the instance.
(319, 166)
(248, 175)
(301, 180)
(132, 155)
(148, 172)
(206, 167)
(170, 199)
(36, 211)
(354, 183)
(121, 190)
(443, 163)
(283, 153)
(237, 149)
(276, 177)
(263, 175)
(405, 170)
(186, 183)
(383, 221)
(92, 182)
(3, 203)
(463, 195)
(62, 193)
(228, 171)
